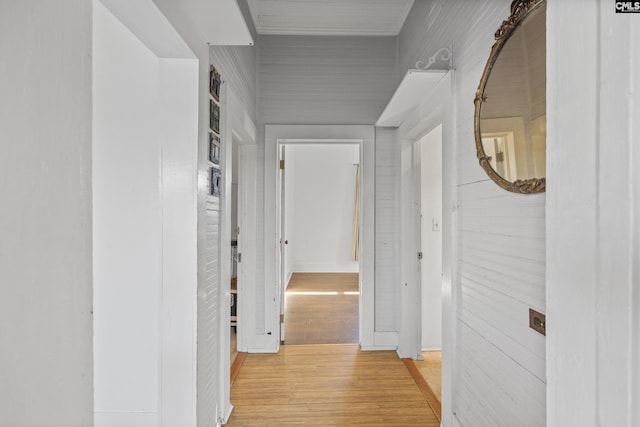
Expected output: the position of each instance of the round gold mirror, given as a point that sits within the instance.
(510, 116)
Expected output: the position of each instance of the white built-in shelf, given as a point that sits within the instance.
(415, 86)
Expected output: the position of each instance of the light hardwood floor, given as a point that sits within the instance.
(327, 385)
(322, 308)
(431, 370)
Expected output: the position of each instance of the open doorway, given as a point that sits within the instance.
(234, 269)
(319, 225)
(267, 336)
(429, 150)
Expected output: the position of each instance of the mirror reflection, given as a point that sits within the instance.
(513, 109)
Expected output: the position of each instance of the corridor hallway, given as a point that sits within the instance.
(327, 385)
(325, 380)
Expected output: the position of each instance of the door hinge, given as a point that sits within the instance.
(281, 318)
(419, 255)
(239, 257)
(281, 164)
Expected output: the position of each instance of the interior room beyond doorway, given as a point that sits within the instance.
(321, 250)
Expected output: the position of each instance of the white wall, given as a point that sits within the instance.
(593, 248)
(234, 190)
(144, 196)
(321, 203)
(127, 224)
(500, 363)
(325, 80)
(431, 238)
(237, 67)
(387, 230)
(46, 369)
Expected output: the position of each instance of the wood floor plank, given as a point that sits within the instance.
(431, 369)
(327, 385)
(236, 365)
(429, 395)
(330, 316)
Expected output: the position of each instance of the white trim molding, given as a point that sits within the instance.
(276, 135)
(436, 109)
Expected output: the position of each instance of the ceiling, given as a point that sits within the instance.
(218, 22)
(330, 17)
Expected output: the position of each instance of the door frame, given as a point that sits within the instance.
(243, 132)
(282, 218)
(419, 192)
(275, 135)
(437, 107)
(281, 213)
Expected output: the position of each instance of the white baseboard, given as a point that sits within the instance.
(125, 418)
(289, 274)
(225, 417)
(432, 349)
(350, 267)
(382, 341)
(378, 348)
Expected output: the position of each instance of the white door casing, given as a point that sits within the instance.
(283, 242)
(234, 127)
(436, 108)
(280, 134)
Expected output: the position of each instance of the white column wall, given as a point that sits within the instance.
(46, 366)
(127, 225)
(179, 105)
(144, 181)
(593, 249)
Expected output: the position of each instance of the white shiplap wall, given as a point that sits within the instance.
(236, 65)
(209, 338)
(325, 80)
(500, 371)
(593, 250)
(320, 80)
(386, 293)
(46, 361)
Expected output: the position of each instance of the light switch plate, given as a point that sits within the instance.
(538, 322)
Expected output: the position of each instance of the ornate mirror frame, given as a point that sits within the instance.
(520, 9)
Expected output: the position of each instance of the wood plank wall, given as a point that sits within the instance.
(500, 371)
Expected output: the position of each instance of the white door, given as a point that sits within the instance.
(431, 238)
(283, 244)
(417, 227)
